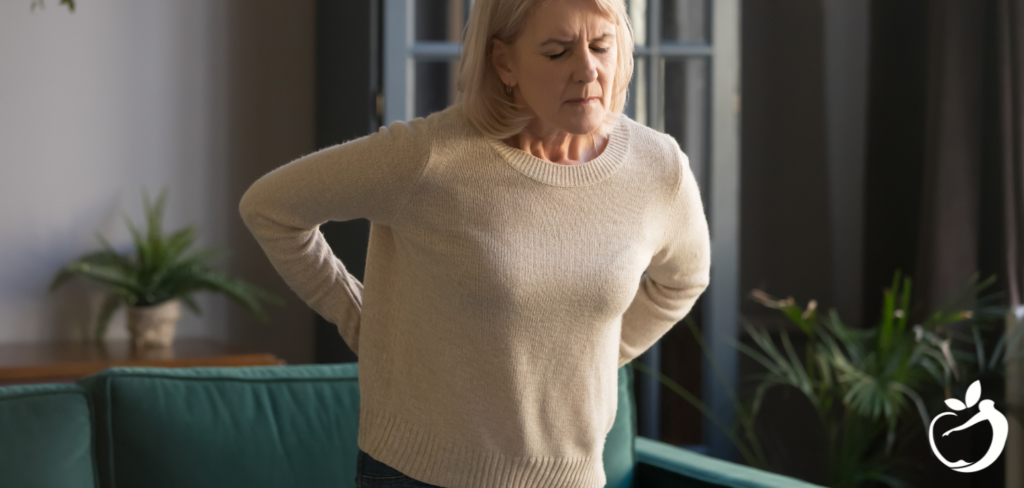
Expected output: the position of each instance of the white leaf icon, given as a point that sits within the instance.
(973, 393)
(955, 404)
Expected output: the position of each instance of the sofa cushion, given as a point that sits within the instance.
(46, 437)
(256, 426)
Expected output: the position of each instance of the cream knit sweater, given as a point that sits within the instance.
(502, 291)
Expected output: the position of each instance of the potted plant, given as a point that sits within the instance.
(861, 382)
(160, 277)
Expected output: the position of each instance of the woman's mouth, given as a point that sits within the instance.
(582, 101)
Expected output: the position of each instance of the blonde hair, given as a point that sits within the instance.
(481, 91)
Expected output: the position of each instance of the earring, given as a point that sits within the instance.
(508, 89)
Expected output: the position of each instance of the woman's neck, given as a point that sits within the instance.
(560, 147)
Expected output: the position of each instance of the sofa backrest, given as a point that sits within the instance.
(46, 437)
(258, 426)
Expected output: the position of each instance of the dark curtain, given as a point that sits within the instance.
(972, 186)
(1010, 127)
(972, 179)
(1010, 139)
(945, 171)
(948, 240)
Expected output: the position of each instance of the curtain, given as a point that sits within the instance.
(972, 188)
(1010, 75)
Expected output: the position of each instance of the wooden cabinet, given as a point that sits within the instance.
(65, 362)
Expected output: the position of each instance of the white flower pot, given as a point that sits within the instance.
(154, 325)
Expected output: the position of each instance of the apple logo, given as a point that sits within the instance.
(1000, 429)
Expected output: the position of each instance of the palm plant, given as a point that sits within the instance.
(859, 381)
(161, 270)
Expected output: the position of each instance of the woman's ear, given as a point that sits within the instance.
(501, 57)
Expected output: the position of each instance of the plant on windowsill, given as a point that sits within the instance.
(158, 279)
(39, 3)
(860, 381)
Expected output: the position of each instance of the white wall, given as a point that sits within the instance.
(201, 96)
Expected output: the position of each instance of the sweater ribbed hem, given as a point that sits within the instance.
(427, 458)
(597, 169)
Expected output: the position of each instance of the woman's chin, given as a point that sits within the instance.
(585, 123)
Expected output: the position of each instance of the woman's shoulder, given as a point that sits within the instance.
(661, 151)
(445, 120)
(653, 141)
(443, 128)
(449, 125)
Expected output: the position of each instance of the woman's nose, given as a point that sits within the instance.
(585, 69)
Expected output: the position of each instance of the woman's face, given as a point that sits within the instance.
(562, 66)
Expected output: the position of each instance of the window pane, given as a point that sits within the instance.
(441, 20)
(685, 21)
(435, 86)
(636, 102)
(686, 111)
(638, 19)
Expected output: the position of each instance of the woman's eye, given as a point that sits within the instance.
(598, 49)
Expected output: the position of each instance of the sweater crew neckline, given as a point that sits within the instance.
(597, 169)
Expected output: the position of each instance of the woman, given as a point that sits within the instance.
(525, 243)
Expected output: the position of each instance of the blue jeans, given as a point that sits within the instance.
(371, 472)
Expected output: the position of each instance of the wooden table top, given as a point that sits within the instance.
(65, 361)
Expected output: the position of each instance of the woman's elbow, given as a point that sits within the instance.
(248, 205)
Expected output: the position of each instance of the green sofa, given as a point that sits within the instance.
(261, 426)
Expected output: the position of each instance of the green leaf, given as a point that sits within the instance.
(803, 381)
(101, 258)
(1006, 345)
(201, 256)
(191, 304)
(168, 273)
(765, 343)
(110, 275)
(795, 315)
(62, 277)
(979, 346)
(716, 369)
(180, 241)
(698, 404)
(240, 292)
(888, 307)
(142, 250)
(901, 322)
(106, 258)
(106, 244)
(154, 223)
(753, 354)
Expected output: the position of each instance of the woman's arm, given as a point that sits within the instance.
(677, 275)
(370, 177)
